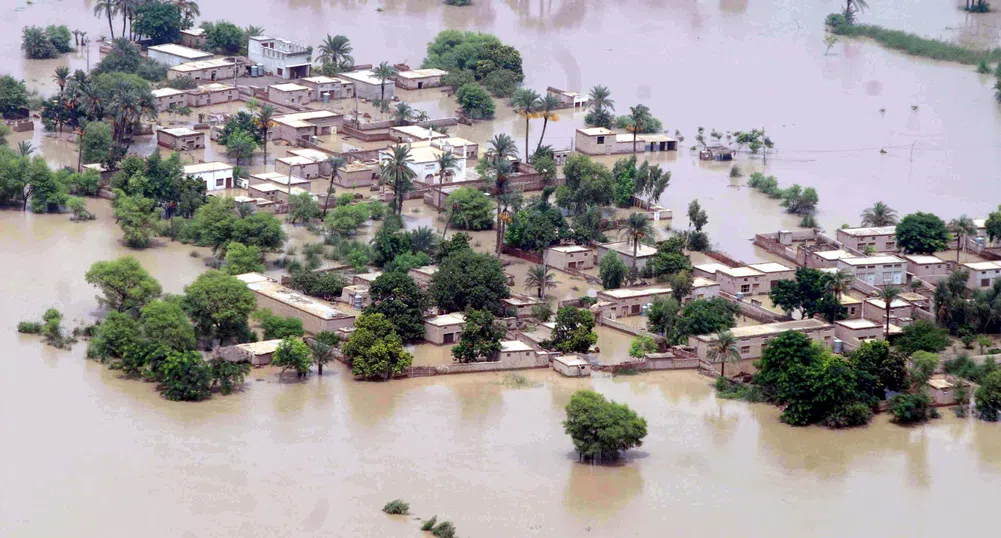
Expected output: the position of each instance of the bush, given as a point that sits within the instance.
(542, 312)
(473, 209)
(429, 523)
(912, 44)
(642, 344)
(731, 390)
(988, 398)
(910, 408)
(501, 83)
(396, 507)
(325, 285)
(29, 327)
(922, 336)
(445, 529)
(850, 416)
(837, 22)
(475, 102)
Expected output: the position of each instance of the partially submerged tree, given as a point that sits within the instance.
(600, 429)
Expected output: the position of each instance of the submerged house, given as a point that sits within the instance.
(717, 153)
(180, 139)
(279, 57)
(215, 175)
(212, 70)
(601, 141)
(417, 79)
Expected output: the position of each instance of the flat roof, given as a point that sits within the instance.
(296, 160)
(309, 153)
(871, 260)
(197, 32)
(595, 131)
(625, 248)
(179, 131)
(628, 293)
(418, 132)
(288, 87)
(521, 300)
(699, 282)
(166, 92)
(201, 168)
(422, 73)
(940, 383)
(570, 360)
(263, 347)
(980, 223)
(454, 141)
(364, 76)
(770, 267)
(849, 300)
(311, 115)
(369, 277)
(428, 270)
(922, 260)
(279, 178)
(183, 52)
(856, 324)
(912, 297)
(740, 272)
(252, 277)
(445, 320)
(97, 167)
(425, 154)
(832, 255)
(201, 64)
(266, 187)
(298, 124)
(881, 304)
(515, 345)
(711, 268)
(982, 266)
(570, 248)
(214, 87)
(751, 331)
(324, 80)
(880, 230)
(276, 291)
(628, 137)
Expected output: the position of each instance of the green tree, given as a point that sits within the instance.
(264, 121)
(723, 349)
(13, 95)
(878, 369)
(303, 207)
(480, 338)
(185, 377)
(383, 72)
(988, 397)
(810, 293)
(243, 259)
(397, 297)
(475, 102)
(218, 305)
(224, 37)
(261, 229)
(602, 429)
(469, 280)
(137, 216)
(500, 83)
(705, 316)
(588, 183)
(638, 230)
(639, 116)
(922, 233)
(662, 316)
(227, 374)
(992, 225)
(375, 350)
(160, 22)
(641, 345)
(574, 331)
(322, 352)
(888, 294)
(800, 201)
(336, 51)
(241, 146)
(396, 171)
(164, 322)
(116, 334)
(326, 285)
(278, 327)
(96, 144)
(471, 209)
(292, 354)
(600, 107)
(612, 271)
(540, 278)
(124, 283)
(37, 45)
(526, 103)
(961, 228)
(108, 8)
(922, 336)
(878, 215)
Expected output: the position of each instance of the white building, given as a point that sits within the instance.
(876, 270)
(171, 54)
(279, 57)
(369, 86)
(425, 164)
(216, 175)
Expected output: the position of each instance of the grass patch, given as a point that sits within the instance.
(916, 45)
(518, 381)
(729, 390)
(396, 507)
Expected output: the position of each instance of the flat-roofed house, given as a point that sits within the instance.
(289, 93)
(444, 329)
(332, 87)
(255, 353)
(594, 141)
(274, 192)
(424, 163)
(644, 142)
(211, 70)
(304, 167)
(521, 304)
(819, 259)
(624, 249)
(460, 147)
(571, 366)
(752, 339)
(279, 57)
(316, 316)
(568, 99)
(365, 279)
(982, 274)
(853, 332)
(883, 238)
(413, 133)
(741, 280)
(417, 79)
(305, 125)
(573, 257)
(368, 86)
(515, 351)
(422, 275)
(180, 139)
(212, 94)
(165, 97)
(876, 270)
(358, 174)
(901, 312)
(215, 175)
(708, 270)
(170, 54)
(941, 390)
(623, 302)
(928, 268)
(193, 37)
(702, 288)
(356, 296)
(773, 273)
(279, 179)
(315, 155)
(853, 306)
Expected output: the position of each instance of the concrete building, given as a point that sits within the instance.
(601, 141)
(215, 175)
(413, 133)
(742, 280)
(212, 70)
(317, 316)
(359, 174)
(573, 257)
(853, 332)
(901, 312)
(279, 179)
(193, 38)
(853, 306)
(274, 192)
(165, 97)
(424, 163)
(417, 79)
(369, 86)
(356, 296)
(212, 94)
(460, 147)
(305, 125)
(876, 270)
(444, 329)
(255, 353)
(289, 94)
(982, 274)
(883, 239)
(180, 139)
(773, 272)
(422, 275)
(703, 288)
(569, 99)
(594, 141)
(940, 389)
(365, 279)
(328, 88)
(624, 302)
(314, 155)
(708, 270)
(515, 350)
(171, 54)
(298, 166)
(928, 268)
(825, 258)
(624, 249)
(520, 304)
(571, 366)
(753, 338)
(279, 57)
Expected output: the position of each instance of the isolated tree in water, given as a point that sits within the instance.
(601, 430)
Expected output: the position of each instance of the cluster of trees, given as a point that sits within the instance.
(125, 57)
(159, 20)
(925, 233)
(812, 292)
(50, 328)
(643, 181)
(601, 429)
(44, 44)
(335, 55)
(537, 224)
(470, 209)
(26, 181)
(795, 199)
(601, 108)
(478, 65)
(574, 331)
(220, 221)
(963, 311)
(244, 132)
(154, 337)
(480, 339)
(224, 37)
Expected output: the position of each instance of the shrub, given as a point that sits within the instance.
(396, 507)
(472, 209)
(849, 416)
(910, 408)
(922, 336)
(501, 83)
(731, 390)
(445, 529)
(837, 22)
(988, 398)
(429, 523)
(735, 172)
(29, 327)
(642, 345)
(475, 101)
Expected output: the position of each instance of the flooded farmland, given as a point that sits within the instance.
(86, 453)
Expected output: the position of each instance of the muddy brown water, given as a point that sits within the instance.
(86, 453)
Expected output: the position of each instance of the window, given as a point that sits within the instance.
(890, 245)
(745, 288)
(220, 182)
(745, 350)
(985, 282)
(601, 140)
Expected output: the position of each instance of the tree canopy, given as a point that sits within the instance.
(124, 283)
(574, 331)
(704, 316)
(480, 337)
(396, 296)
(922, 233)
(469, 280)
(219, 305)
(601, 429)
(375, 350)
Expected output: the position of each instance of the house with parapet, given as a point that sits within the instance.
(212, 94)
(413, 133)
(982, 274)
(568, 99)
(624, 249)
(304, 125)
(212, 70)
(444, 329)
(417, 79)
(424, 163)
(326, 89)
(752, 339)
(931, 269)
(215, 175)
(171, 54)
(876, 270)
(358, 174)
(602, 141)
(882, 239)
(193, 38)
(368, 86)
(295, 165)
(279, 57)
(422, 275)
(180, 139)
(165, 97)
(570, 257)
(316, 315)
(289, 93)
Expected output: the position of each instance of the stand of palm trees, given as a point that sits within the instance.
(336, 165)
(396, 171)
(962, 228)
(498, 167)
(335, 54)
(601, 105)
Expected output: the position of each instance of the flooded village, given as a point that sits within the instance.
(269, 269)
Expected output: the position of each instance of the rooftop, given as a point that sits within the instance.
(770, 267)
(369, 277)
(711, 268)
(570, 360)
(364, 76)
(183, 52)
(422, 73)
(202, 168)
(421, 154)
(295, 160)
(214, 87)
(857, 324)
(248, 278)
(180, 131)
(982, 266)
(923, 260)
(428, 270)
(166, 92)
(740, 272)
(628, 137)
(912, 297)
(881, 304)
(595, 131)
(288, 87)
(263, 347)
(309, 153)
(279, 178)
(626, 248)
(197, 32)
(871, 260)
(201, 64)
(628, 293)
(699, 282)
(266, 187)
(306, 116)
(832, 255)
(417, 131)
(940, 383)
(514, 345)
(323, 80)
(570, 249)
(445, 320)
(881, 230)
(291, 122)
(849, 300)
(517, 299)
(296, 300)
(751, 331)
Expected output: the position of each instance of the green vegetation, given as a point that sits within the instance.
(29, 327)
(223, 37)
(293, 354)
(469, 280)
(732, 390)
(662, 316)
(396, 507)
(988, 397)
(480, 339)
(812, 292)
(600, 108)
(475, 102)
(445, 529)
(217, 223)
(219, 305)
(574, 331)
(161, 22)
(601, 429)
(641, 345)
(185, 377)
(795, 199)
(537, 225)
(963, 367)
(912, 44)
(922, 233)
(397, 297)
(612, 270)
(428, 524)
(375, 350)
(479, 53)
(703, 316)
(470, 209)
(124, 283)
(278, 327)
(50, 328)
(125, 58)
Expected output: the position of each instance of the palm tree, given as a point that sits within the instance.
(446, 162)
(108, 8)
(888, 294)
(36, 45)
(336, 51)
(541, 278)
(396, 169)
(253, 31)
(526, 102)
(336, 165)
(502, 146)
(265, 121)
(723, 350)
(879, 214)
(127, 8)
(839, 282)
(638, 114)
(547, 111)
(189, 11)
(962, 228)
(24, 148)
(600, 101)
(651, 181)
(61, 77)
(383, 72)
(501, 149)
(403, 113)
(638, 229)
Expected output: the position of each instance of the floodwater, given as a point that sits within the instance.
(89, 454)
